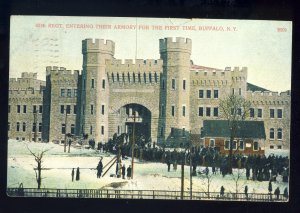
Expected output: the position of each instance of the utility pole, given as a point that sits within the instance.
(191, 172)
(65, 144)
(182, 179)
(132, 146)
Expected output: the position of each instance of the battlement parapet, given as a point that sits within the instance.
(139, 65)
(98, 45)
(180, 44)
(266, 94)
(61, 71)
(29, 75)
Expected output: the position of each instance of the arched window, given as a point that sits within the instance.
(118, 78)
(128, 75)
(155, 77)
(145, 80)
(279, 133)
(112, 77)
(133, 77)
(272, 133)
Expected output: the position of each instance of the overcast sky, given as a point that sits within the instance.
(262, 46)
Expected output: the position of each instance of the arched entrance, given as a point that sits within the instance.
(141, 121)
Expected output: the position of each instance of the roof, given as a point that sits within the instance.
(193, 66)
(254, 88)
(247, 129)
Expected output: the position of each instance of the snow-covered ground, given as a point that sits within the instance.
(147, 176)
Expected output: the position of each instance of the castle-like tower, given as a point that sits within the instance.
(94, 95)
(175, 87)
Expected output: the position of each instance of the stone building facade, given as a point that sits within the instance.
(168, 98)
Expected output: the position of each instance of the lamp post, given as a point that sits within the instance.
(132, 146)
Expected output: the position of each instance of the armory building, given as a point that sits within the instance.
(167, 98)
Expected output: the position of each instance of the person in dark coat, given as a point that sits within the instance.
(247, 172)
(99, 169)
(129, 172)
(123, 171)
(77, 174)
(246, 191)
(277, 193)
(72, 174)
(169, 164)
(285, 192)
(270, 187)
(222, 191)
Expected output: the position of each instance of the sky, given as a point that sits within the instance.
(264, 47)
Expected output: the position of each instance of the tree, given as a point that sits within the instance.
(235, 109)
(38, 170)
(207, 178)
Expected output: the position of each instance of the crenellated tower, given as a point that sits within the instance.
(175, 89)
(94, 88)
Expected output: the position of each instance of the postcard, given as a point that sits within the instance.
(149, 108)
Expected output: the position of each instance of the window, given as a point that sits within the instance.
(279, 147)
(173, 84)
(33, 127)
(271, 147)
(232, 91)
(63, 129)
(207, 111)
(259, 113)
(272, 133)
(279, 113)
(183, 111)
(227, 145)
(24, 109)
(103, 83)
(150, 78)
(201, 93)
(40, 127)
(240, 91)
(93, 83)
(251, 112)
(92, 109)
(75, 92)
(41, 109)
(279, 134)
(74, 109)
(200, 113)
(62, 109)
(69, 94)
(68, 109)
(216, 111)
(208, 94)
(212, 142)
(234, 145)
(255, 146)
(272, 113)
(18, 108)
(62, 92)
(241, 145)
(173, 111)
(183, 132)
(18, 126)
(239, 111)
(34, 109)
(102, 130)
(73, 129)
(216, 93)
(102, 109)
(91, 130)
(24, 127)
(183, 86)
